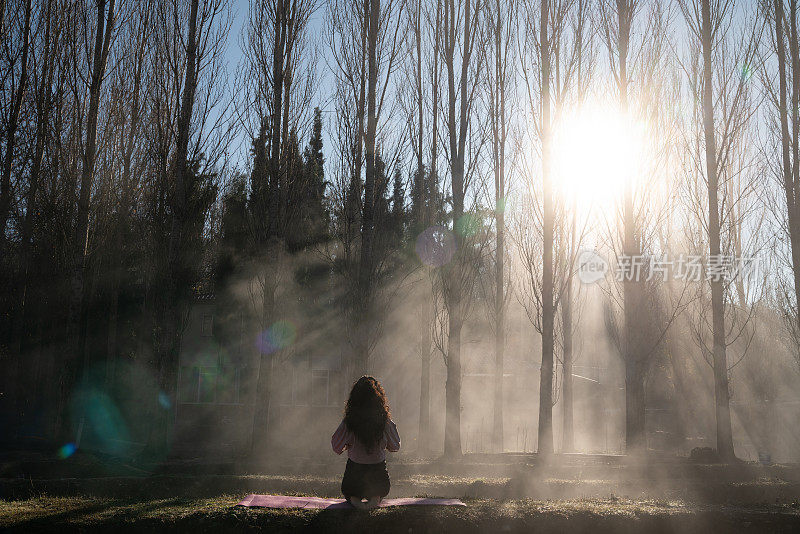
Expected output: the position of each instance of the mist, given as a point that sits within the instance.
(561, 235)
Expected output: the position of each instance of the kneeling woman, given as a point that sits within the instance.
(367, 431)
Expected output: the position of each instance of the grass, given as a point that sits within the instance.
(577, 495)
(707, 490)
(218, 514)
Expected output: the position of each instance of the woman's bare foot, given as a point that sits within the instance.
(357, 503)
(372, 503)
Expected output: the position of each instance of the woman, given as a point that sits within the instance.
(367, 432)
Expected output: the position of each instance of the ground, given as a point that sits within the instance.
(218, 514)
(503, 494)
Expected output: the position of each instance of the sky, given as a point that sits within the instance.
(233, 55)
(239, 9)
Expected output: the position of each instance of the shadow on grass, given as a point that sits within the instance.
(80, 517)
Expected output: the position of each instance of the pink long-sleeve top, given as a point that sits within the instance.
(344, 439)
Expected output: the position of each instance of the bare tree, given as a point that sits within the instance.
(500, 31)
(637, 63)
(19, 83)
(104, 29)
(187, 161)
(721, 394)
(420, 105)
(552, 32)
(461, 23)
(507, 138)
(130, 80)
(710, 28)
(365, 277)
(570, 308)
(42, 67)
(785, 104)
(364, 69)
(278, 76)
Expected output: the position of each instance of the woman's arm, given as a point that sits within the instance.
(339, 440)
(392, 437)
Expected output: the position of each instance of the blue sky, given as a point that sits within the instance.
(233, 54)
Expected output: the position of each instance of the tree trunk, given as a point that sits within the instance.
(121, 220)
(635, 438)
(794, 52)
(499, 343)
(354, 197)
(631, 286)
(545, 433)
(360, 364)
(11, 132)
(74, 365)
(423, 441)
(454, 275)
(683, 406)
(2, 17)
(428, 217)
(279, 45)
(421, 221)
(452, 430)
(262, 426)
(789, 144)
(365, 271)
(568, 439)
(43, 104)
(178, 282)
(288, 73)
(11, 385)
(420, 214)
(499, 145)
(182, 170)
(433, 185)
(721, 394)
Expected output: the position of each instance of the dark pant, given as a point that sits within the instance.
(365, 480)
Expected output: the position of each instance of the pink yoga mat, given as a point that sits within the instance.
(287, 501)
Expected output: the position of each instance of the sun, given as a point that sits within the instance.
(596, 150)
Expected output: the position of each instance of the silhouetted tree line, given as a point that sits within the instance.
(118, 206)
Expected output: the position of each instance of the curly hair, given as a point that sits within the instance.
(367, 411)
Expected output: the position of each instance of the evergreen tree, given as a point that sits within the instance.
(259, 189)
(314, 211)
(232, 251)
(315, 160)
(427, 202)
(382, 200)
(418, 200)
(233, 231)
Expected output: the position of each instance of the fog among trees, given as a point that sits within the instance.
(545, 225)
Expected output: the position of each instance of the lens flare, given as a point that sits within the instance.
(467, 225)
(502, 204)
(436, 246)
(278, 336)
(164, 401)
(67, 450)
(747, 72)
(103, 426)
